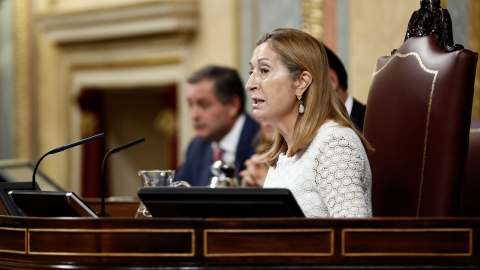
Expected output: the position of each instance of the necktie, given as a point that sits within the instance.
(217, 153)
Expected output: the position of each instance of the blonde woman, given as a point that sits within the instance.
(317, 153)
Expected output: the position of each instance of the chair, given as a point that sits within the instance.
(471, 184)
(418, 119)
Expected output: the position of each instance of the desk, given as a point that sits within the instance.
(271, 243)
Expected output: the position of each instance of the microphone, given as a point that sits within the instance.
(60, 149)
(113, 151)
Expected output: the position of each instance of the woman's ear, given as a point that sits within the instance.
(303, 82)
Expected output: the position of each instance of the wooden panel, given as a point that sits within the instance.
(13, 240)
(119, 242)
(273, 243)
(407, 242)
(268, 242)
(115, 208)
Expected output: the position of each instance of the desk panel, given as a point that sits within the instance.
(122, 243)
(13, 240)
(112, 242)
(446, 242)
(265, 242)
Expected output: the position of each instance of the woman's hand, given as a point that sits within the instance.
(255, 172)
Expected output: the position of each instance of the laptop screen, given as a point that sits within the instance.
(51, 204)
(219, 202)
(9, 206)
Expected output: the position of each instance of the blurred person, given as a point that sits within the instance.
(256, 170)
(317, 153)
(339, 76)
(216, 99)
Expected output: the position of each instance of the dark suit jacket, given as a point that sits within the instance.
(358, 114)
(196, 168)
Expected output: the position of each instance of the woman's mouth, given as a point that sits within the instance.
(257, 102)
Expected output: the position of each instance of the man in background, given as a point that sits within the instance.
(339, 76)
(216, 101)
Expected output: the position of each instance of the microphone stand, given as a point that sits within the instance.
(113, 151)
(60, 149)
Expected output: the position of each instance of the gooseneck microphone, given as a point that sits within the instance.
(113, 151)
(60, 149)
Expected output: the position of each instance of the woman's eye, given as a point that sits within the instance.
(264, 70)
(250, 72)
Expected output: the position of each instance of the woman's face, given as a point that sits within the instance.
(273, 94)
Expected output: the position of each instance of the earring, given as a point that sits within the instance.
(301, 108)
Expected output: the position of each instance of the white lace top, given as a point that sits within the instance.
(330, 178)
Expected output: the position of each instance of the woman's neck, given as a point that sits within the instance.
(287, 129)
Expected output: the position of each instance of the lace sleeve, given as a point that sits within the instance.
(342, 179)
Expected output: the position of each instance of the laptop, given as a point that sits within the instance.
(219, 202)
(10, 207)
(51, 204)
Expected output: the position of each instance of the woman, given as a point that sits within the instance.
(317, 153)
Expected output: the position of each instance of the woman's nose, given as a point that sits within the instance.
(250, 86)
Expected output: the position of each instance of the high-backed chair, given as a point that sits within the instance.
(418, 119)
(471, 184)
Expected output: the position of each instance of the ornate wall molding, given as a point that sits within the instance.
(313, 18)
(122, 21)
(25, 111)
(125, 46)
(474, 45)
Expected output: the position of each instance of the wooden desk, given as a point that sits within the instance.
(289, 243)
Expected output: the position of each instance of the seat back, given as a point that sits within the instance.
(471, 183)
(418, 119)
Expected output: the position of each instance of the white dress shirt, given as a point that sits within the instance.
(349, 104)
(229, 142)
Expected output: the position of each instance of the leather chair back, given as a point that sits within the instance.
(418, 120)
(471, 183)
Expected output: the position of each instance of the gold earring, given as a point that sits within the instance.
(301, 108)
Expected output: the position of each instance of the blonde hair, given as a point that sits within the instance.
(301, 52)
(264, 143)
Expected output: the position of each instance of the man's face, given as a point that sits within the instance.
(211, 119)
